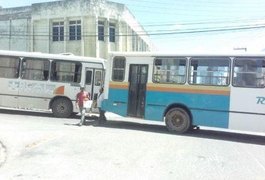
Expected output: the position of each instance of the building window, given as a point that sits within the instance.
(112, 32)
(58, 31)
(118, 69)
(75, 30)
(101, 31)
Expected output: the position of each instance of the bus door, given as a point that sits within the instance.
(93, 82)
(137, 90)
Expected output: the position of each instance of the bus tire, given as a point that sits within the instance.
(62, 108)
(178, 120)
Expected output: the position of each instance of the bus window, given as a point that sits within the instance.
(88, 77)
(170, 70)
(98, 78)
(35, 69)
(249, 72)
(77, 73)
(9, 67)
(209, 71)
(63, 71)
(118, 68)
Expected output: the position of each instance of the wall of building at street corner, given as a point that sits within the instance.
(31, 28)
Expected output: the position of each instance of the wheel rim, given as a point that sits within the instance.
(177, 120)
(61, 108)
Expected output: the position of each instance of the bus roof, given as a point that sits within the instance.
(68, 56)
(185, 54)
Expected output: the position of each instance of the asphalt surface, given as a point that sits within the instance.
(2, 154)
(39, 146)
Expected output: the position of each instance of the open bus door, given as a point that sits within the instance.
(93, 82)
(137, 90)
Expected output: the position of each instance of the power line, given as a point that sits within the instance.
(159, 33)
(186, 23)
(225, 3)
(247, 23)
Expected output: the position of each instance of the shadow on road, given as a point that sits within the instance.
(196, 133)
(25, 112)
(33, 113)
(228, 136)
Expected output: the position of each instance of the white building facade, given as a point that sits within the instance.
(82, 27)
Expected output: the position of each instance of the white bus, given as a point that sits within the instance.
(186, 90)
(39, 81)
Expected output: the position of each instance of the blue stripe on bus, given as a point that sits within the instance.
(207, 109)
(117, 101)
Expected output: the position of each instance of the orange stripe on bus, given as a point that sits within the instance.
(179, 89)
(119, 86)
(59, 90)
(190, 90)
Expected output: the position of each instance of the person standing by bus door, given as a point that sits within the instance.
(81, 97)
(102, 118)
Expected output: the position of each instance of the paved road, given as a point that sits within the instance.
(38, 146)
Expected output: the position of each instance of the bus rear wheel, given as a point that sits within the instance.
(62, 108)
(178, 120)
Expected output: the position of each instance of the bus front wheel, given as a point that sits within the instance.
(62, 108)
(178, 120)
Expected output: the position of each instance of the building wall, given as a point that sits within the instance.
(5, 34)
(15, 28)
(90, 27)
(31, 28)
(40, 35)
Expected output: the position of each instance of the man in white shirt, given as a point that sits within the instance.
(102, 118)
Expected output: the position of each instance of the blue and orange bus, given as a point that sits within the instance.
(188, 90)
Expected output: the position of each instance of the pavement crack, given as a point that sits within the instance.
(40, 141)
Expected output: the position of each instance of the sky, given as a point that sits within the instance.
(195, 25)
